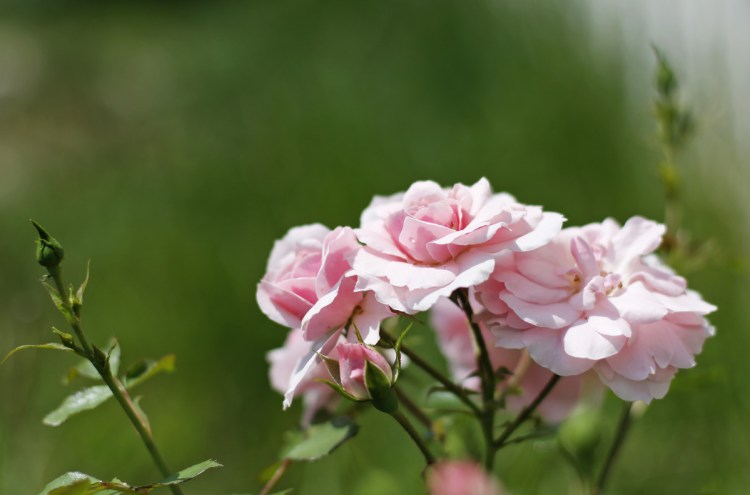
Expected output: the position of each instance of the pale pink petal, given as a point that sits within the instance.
(525, 289)
(303, 235)
(637, 237)
(543, 232)
(595, 338)
(307, 362)
(655, 387)
(369, 316)
(280, 305)
(546, 347)
(332, 310)
(638, 305)
(557, 315)
(338, 250)
(584, 257)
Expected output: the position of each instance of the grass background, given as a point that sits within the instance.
(172, 142)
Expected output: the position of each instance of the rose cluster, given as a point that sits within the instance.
(591, 301)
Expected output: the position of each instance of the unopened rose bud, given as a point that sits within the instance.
(365, 375)
(49, 252)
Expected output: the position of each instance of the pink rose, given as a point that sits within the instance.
(460, 478)
(309, 285)
(352, 359)
(316, 395)
(456, 341)
(596, 297)
(424, 244)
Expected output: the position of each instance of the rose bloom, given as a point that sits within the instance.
(315, 395)
(456, 341)
(352, 358)
(460, 478)
(597, 298)
(429, 241)
(308, 284)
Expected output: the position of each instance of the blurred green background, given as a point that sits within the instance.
(172, 142)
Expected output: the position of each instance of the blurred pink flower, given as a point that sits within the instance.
(308, 284)
(352, 359)
(596, 297)
(460, 478)
(316, 396)
(457, 344)
(429, 241)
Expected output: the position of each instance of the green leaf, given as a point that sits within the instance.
(340, 390)
(186, 474)
(83, 400)
(332, 366)
(77, 488)
(82, 288)
(52, 345)
(397, 348)
(147, 368)
(57, 299)
(82, 484)
(92, 397)
(66, 481)
(318, 440)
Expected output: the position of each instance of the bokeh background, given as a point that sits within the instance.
(171, 142)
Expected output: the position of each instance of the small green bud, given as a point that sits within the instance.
(66, 339)
(49, 252)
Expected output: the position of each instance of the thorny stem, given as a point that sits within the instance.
(526, 413)
(622, 429)
(407, 426)
(413, 408)
(117, 389)
(487, 375)
(276, 476)
(458, 391)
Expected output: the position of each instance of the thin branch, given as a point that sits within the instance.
(407, 426)
(526, 413)
(622, 429)
(457, 390)
(487, 376)
(276, 476)
(413, 408)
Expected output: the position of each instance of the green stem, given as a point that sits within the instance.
(622, 429)
(437, 375)
(276, 476)
(526, 413)
(487, 375)
(413, 408)
(117, 389)
(407, 426)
